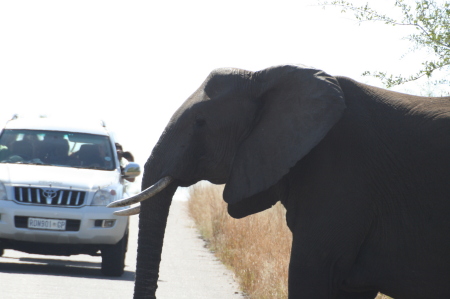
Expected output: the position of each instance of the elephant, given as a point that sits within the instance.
(363, 172)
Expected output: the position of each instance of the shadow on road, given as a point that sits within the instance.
(37, 266)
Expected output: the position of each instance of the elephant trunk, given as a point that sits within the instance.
(152, 225)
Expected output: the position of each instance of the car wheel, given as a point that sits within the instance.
(113, 257)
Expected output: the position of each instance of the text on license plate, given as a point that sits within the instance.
(52, 224)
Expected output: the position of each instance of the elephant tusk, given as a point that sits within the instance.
(147, 193)
(129, 211)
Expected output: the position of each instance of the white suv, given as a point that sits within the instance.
(56, 178)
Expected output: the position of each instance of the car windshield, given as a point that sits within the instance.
(56, 148)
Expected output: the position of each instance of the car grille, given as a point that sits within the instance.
(72, 225)
(49, 196)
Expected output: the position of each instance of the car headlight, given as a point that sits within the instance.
(3, 192)
(104, 197)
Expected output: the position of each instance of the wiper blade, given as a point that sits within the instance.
(25, 162)
(90, 167)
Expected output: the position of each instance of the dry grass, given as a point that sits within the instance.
(256, 248)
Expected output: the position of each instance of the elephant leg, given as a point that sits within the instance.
(313, 277)
(364, 295)
(325, 247)
(317, 272)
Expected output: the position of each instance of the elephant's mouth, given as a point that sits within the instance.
(145, 194)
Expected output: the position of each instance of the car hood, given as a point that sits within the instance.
(55, 176)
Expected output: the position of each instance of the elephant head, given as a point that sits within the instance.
(240, 128)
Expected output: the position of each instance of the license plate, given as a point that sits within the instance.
(51, 224)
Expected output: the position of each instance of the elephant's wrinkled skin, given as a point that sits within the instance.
(363, 172)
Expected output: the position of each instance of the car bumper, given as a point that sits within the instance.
(89, 217)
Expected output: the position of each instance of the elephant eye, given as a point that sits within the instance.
(200, 122)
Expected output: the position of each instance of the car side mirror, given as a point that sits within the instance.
(131, 170)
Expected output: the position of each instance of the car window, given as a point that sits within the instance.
(56, 148)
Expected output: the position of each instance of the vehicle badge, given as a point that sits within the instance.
(49, 194)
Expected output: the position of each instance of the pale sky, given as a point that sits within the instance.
(132, 63)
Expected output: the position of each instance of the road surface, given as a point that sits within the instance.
(188, 270)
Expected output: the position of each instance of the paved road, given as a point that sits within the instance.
(188, 270)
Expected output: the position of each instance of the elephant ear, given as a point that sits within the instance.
(299, 105)
(257, 203)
